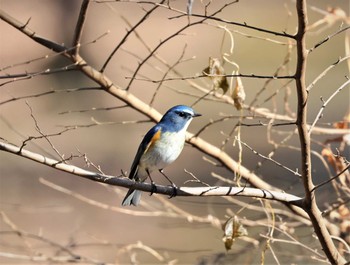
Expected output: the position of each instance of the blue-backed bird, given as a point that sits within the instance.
(160, 147)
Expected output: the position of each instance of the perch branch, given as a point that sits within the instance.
(128, 183)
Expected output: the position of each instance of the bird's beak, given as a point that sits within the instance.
(196, 115)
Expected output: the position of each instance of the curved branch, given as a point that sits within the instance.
(167, 190)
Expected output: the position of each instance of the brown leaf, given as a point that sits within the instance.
(238, 94)
(233, 229)
(216, 73)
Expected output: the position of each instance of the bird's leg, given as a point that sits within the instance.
(154, 187)
(172, 184)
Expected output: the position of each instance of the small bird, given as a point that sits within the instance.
(160, 147)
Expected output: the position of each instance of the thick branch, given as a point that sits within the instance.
(23, 28)
(167, 190)
(310, 205)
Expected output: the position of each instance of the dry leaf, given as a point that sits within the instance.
(217, 74)
(238, 94)
(233, 229)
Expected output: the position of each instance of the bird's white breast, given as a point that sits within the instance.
(165, 151)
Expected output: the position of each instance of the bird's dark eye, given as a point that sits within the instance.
(183, 114)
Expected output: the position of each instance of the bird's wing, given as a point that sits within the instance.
(150, 138)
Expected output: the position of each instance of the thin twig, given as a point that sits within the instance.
(78, 32)
(92, 109)
(270, 159)
(169, 69)
(48, 93)
(183, 78)
(244, 25)
(25, 235)
(320, 76)
(325, 103)
(45, 136)
(331, 179)
(328, 38)
(132, 30)
(25, 76)
(175, 34)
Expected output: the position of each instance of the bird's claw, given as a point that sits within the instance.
(154, 188)
(174, 193)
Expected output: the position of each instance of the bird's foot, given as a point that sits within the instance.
(174, 193)
(154, 188)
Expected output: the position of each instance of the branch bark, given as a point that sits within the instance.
(80, 26)
(309, 203)
(166, 190)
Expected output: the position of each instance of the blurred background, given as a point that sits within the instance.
(27, 195)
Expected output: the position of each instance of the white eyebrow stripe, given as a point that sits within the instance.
(189, 112)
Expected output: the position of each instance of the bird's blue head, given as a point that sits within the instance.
(178, 118)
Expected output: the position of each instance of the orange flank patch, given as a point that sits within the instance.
(154, 139)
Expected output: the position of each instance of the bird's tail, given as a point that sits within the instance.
(133, 197)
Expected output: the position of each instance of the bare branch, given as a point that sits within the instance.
(99, 123)
(328, 38)
(24, 29)
(79, 27)
(72, 257)
(132, 30)
(25, 76)
(244, 25)
(178, 61)
(128, 183)
(175, 34)
(45, 136)
(92, 109)
(270, 159)
(310, 205)
(70, 67)
(325, 103)
(255, 37)
(319, 77)
(331, 179)
(272, 77)
(48, 93)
